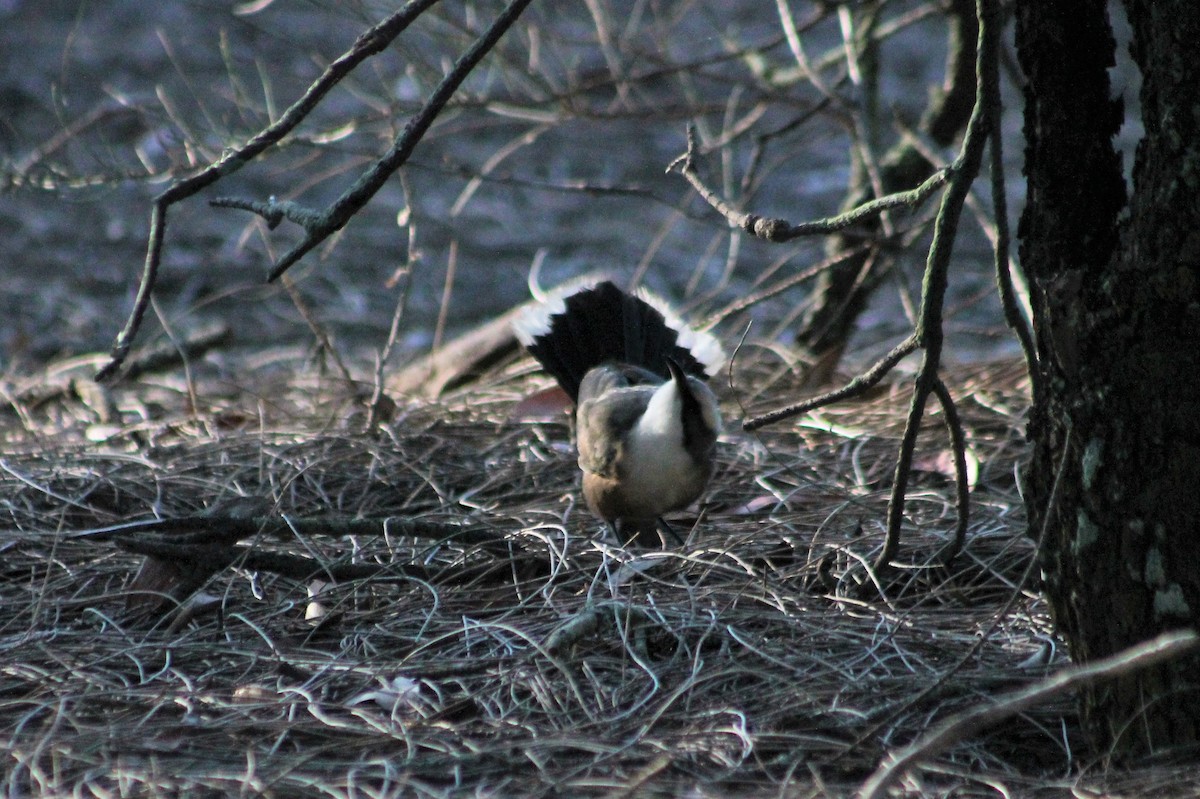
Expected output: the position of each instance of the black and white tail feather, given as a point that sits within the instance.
(646, 423)
(572, 334)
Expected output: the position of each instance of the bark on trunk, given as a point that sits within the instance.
(1114, 483)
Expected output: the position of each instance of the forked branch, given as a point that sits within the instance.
(780, 230)
(937, 269)
(928, 334)
(317, 225)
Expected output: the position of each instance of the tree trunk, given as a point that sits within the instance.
(1113, 488)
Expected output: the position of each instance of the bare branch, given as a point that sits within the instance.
(937, 266)
(228, 528)
(852, 389)
(368, 44)
(962, 486)
(274, 211)
(337, 215)
(994, 106)
(780, 230)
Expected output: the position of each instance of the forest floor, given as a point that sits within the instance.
(263, 569)
(256, 588)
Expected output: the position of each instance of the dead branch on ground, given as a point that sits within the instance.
(1167, 646)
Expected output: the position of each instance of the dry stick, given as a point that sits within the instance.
(780, 286)
(209, 561)
(852, 389)
(994, 106)
(193, 530)
(337, 215)
(184, 361)
(193, 345)
(937, 267)
(439, 328)
(18, 174)
(962, 486)
(780, 230)
(1149, 653)
(208, 542)
(377, 403)
(926, 375)
(792, 33)
(399, 281)
(371, 42)
(273, 211)
(319, 332)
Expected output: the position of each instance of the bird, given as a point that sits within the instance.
(646, 424)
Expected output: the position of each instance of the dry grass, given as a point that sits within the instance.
(760, 659)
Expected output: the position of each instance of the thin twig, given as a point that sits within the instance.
(439, 328)
(381, 407)
(788, 22)
(324, 340)
(780, 230)
(994, 106)
(855, 387)
(750, 300)
(379, 402)
(368, 44)
(962, 485)
(372, 180)
(926, 375)
(17, 175)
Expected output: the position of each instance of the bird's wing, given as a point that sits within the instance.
(601, 423)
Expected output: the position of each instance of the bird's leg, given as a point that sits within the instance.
(663, 527)
(639, 532)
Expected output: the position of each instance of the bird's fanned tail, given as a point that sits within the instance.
(602, 324)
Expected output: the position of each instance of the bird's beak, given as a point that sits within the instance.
(677, 373)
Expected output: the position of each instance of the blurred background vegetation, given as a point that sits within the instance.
(554, 152)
